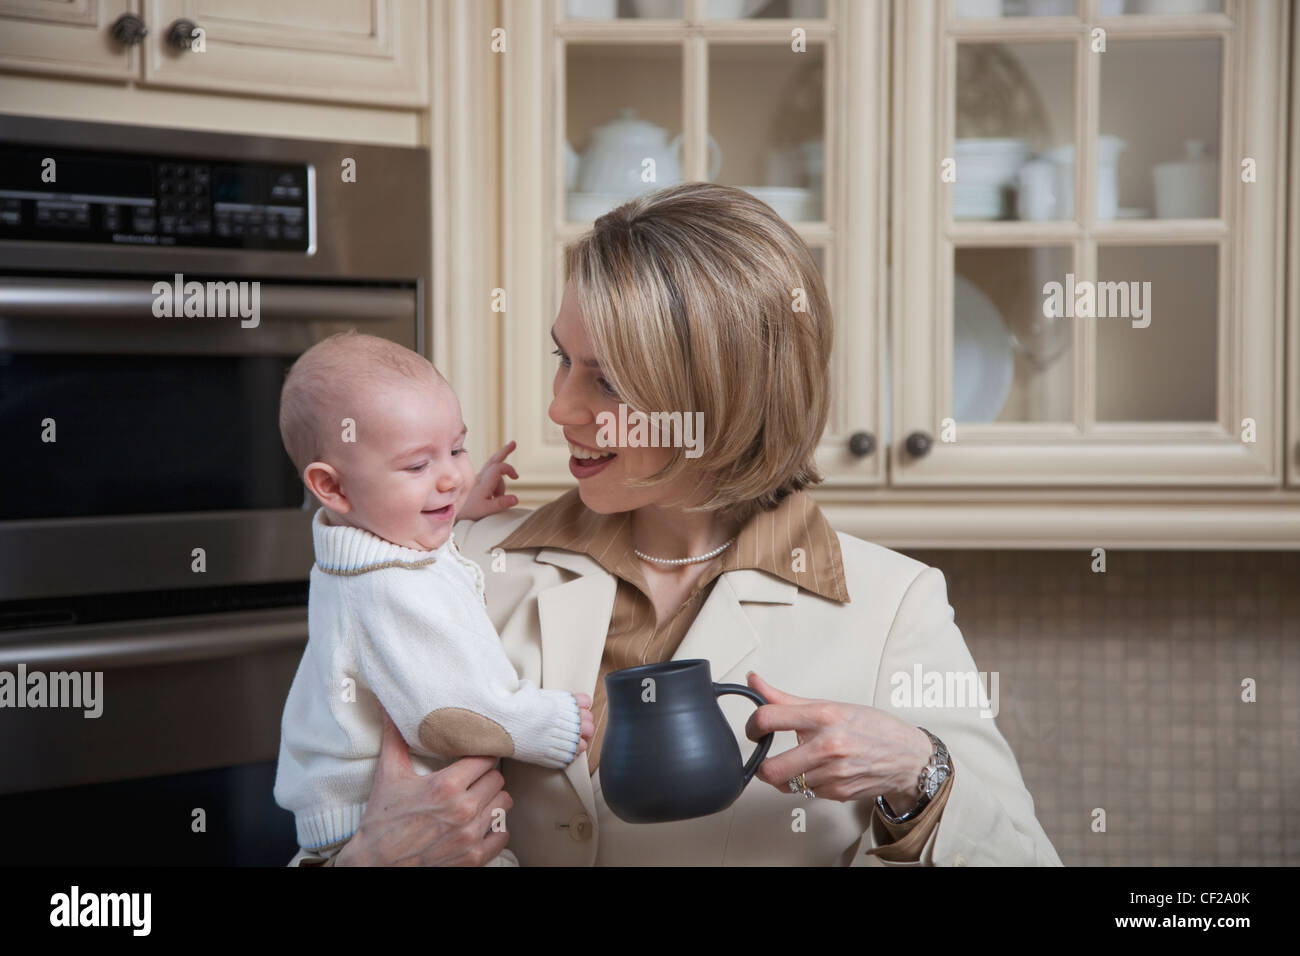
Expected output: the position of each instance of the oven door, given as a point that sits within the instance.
(145, 475)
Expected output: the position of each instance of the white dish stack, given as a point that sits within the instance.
(985, 168)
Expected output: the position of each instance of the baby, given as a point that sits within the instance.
(396, 615)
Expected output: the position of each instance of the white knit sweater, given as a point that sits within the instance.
(407, 629)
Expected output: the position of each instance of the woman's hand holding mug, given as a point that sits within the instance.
(846, 751)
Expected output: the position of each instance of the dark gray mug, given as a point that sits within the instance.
(668, 752)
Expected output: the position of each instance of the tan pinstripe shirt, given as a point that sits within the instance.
(794, 542)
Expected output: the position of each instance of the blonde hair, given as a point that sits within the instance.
(327, 378)
(728, 305)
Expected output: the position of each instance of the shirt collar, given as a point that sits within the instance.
(794, 541)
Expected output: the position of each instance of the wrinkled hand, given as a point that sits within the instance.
(847, 751)
(488, 495)
(439, 819)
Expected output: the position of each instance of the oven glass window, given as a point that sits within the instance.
(142, 435)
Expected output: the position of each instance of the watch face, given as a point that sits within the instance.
(935, 781)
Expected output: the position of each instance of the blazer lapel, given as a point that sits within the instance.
(721, 632)
(574, 619)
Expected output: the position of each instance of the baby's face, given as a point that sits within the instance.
(408, 474)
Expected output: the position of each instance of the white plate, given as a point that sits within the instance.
(982, 362)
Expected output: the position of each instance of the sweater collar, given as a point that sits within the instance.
(343, 549)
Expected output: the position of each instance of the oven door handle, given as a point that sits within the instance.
(134, 299)
(176, 641)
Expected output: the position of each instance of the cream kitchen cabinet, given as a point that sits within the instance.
(974, 405)
(372, 52)
(1166, 238)
(1293, 278)
(790, 102)
(68, 39)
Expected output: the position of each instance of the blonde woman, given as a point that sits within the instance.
(700, 299)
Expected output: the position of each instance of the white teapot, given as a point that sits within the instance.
(614, 161)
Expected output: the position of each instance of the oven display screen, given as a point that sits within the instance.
(64, 195)
(231, 184)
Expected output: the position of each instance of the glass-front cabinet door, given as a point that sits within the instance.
(1087, 269)
(1293, 278)
(607, 99)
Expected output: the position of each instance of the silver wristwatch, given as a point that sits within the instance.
(931, 778)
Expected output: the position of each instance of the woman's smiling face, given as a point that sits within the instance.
(581, 393)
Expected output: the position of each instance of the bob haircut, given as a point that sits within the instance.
(699, 297)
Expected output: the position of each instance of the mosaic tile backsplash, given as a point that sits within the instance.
(1123, 690)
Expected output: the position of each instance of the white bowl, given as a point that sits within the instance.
(989, 162)
(1175, 6)
(1052, 8)
(587, 207)
(791, 203)
(977, 200)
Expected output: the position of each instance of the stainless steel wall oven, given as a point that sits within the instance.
(154, 287)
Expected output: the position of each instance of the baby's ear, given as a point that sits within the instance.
(322, 481)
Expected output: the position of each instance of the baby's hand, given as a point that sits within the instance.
(488, 495)
(588, 722)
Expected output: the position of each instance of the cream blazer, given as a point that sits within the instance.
(552, 609)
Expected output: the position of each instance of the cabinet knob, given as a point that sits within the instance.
(129, 29)
(181, 34)
(862, 444)
(918, 444)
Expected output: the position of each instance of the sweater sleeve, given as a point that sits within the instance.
(445, 679)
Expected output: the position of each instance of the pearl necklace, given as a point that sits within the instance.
(703, 557)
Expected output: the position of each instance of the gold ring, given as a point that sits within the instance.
(799, 784)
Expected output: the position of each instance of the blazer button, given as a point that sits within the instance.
(959, 860)
(580, 828)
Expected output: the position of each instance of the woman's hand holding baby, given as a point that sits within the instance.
(488, 494)
(439, 819)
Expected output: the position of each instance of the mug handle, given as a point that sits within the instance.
(760, 751)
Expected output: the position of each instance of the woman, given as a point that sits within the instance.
(682, 545)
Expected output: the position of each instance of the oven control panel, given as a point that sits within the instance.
(63, 195)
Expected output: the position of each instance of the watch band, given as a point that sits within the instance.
(931, 778)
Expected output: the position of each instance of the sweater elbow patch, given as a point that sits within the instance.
(456, 732)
